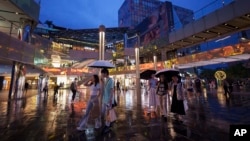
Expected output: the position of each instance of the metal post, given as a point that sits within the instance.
(101, 42)
(12, 81)
(11, 26)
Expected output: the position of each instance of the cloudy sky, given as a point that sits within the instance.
(80, 14)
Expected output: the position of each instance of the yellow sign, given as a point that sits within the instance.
(220, 75)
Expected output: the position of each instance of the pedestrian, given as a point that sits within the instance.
(226, 87)
(162, 92)
(56, 88)
(93, 101)
(107, 96)
(73, 88)
(45, 89)
(26, 87)
(118, 86)
(198, 87)
(177, 106)
(188, 85)
(152, 83)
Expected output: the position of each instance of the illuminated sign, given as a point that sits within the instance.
(66, 70)
(220, 75)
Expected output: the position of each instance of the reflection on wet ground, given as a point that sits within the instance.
(47, 118)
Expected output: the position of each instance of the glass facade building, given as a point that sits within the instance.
(133, 12)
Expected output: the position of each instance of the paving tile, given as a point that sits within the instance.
(36, 117)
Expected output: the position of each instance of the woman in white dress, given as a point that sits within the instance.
(153, 102)
(92, 103)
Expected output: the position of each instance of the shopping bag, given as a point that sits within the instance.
(111, 115)
(185, 103)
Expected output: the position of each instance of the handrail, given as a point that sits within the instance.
(211, 7)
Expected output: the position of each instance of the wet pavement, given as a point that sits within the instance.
(35, 117)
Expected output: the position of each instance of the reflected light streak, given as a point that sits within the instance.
(129, 100)
(205, 93)
(221, 99)
(171, 130)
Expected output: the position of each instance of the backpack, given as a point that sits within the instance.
(72, 86)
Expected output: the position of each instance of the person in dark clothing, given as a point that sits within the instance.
(26, 87)
(177, 106)
(56, 88)
(226, 87)
(118, 86)
(198, 87)
(45, 89)
(73, 88)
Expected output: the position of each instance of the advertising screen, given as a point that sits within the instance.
(157, 25)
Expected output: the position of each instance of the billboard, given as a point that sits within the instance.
(157, 25)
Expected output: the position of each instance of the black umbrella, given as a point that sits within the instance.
(168, 73)
(147, 74)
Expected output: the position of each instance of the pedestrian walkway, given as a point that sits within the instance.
(40, 118)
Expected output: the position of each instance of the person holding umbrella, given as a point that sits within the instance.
(93, 84)
(152, 83)
(162, 92)
(177, 105)
(107, 95)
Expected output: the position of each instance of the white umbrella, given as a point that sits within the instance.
(168, 73)
(101, 64)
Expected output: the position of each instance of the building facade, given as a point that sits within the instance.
(133, 12)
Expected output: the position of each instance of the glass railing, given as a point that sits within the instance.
(30, 7)
(217, 43)
(211, 7)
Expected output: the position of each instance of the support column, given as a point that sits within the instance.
(155, 62)
(163, 55)
(137, 62)
(101, 42)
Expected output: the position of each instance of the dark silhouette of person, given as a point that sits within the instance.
(118, 86)
(73, 88)
(56, 88)
(226, 87)
(26, 87)
(45, 89)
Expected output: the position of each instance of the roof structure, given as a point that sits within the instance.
(90, 37)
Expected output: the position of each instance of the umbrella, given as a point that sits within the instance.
(147, 74)
(101, 64)
(168, 73)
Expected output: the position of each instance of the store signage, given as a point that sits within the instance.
(220, 75)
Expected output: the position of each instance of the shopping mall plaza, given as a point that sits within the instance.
(151, 35)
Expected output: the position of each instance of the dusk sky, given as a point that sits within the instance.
(81, 14)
